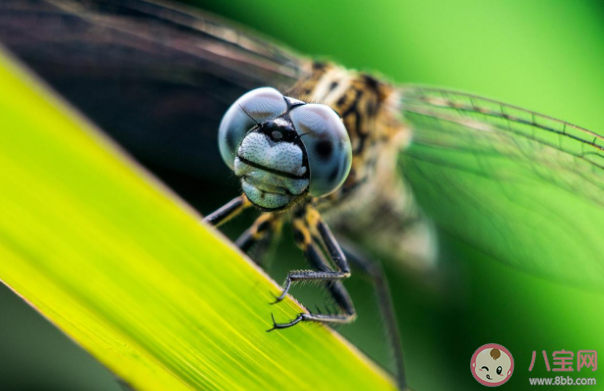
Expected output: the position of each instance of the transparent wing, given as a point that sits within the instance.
(153, 75)
(525, 188)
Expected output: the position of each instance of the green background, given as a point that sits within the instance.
(543, 55)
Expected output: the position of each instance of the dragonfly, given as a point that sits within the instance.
(341, 156)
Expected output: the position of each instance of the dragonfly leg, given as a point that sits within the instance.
(228, 211)
(260, 235)
(306, 238)
(307, 228)
(337, 291)
(376, 274)
(341, 297)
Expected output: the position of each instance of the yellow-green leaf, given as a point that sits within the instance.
(129, 272)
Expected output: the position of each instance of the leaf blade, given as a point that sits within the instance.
(125, 270)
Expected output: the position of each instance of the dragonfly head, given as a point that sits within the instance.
(284, 149)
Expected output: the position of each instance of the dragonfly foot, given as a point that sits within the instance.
(279, 298)
(291, 323)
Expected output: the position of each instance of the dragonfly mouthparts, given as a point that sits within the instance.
(263, 191)
(273, 173)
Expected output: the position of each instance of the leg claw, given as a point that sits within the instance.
(286, 287)
(291, 323)
(278, 298)
(274, 324)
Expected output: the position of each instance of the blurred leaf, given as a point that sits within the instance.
(127, 271)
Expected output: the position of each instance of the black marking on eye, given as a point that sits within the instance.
(487, 368)
(333, 85)
(333, 175)
(324, 149)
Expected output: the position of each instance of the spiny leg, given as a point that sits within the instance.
(228, 211)
(305, 240)
(335, 288)
(342, 298)
(375, 272)
(305, 226)
(260, 234)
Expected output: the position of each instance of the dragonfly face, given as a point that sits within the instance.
(283, 149)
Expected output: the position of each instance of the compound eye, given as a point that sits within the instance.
(254, 107)
(327, 146)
